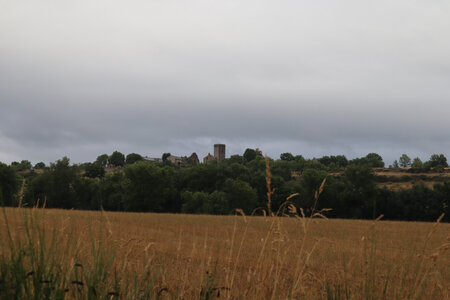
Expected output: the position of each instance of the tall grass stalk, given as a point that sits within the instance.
(43, 261)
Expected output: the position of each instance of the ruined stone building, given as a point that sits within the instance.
(193, 159)
(177, 161)
(184, 161)
(219, 154)
(208, 158)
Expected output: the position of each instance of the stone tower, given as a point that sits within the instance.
(219, 152)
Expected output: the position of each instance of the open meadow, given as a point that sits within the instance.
(69, 254)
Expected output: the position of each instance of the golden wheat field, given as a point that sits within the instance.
(238, 257)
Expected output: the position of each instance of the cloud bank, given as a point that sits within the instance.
(350, 77)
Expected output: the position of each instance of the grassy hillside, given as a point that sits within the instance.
(64, 254)
(404, 178)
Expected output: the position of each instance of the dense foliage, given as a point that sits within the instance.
(219, 188)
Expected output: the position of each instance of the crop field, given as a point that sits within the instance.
(67, 254)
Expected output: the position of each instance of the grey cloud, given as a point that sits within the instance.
(315, 78)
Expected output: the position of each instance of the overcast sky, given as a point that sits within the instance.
(324, 77)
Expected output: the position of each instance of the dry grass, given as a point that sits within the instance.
(260, 257)
(404, 173)
(396, 186)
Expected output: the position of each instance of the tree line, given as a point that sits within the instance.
(134, 184)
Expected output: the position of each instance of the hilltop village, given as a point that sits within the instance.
(184, 161)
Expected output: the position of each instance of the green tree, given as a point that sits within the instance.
(148, 187)
(94, 170)
(9, 184)
(375, 160)
(417, 163)
(203, 177)
(37, 189)
(249, 154)
(112, 191)
(235, 159)
(240, 195)
(165, 156)
(299, 158)
(325, 160)
(22, 166)
(395, 164)
(405, 161)
(55, 186)
(341, 161)
(204, 203)
(438, 160)
(334, 162)
(283, 168)
(132, 158)
(39, 166)
(102, 160)
(360, 177)
(310, 182)
(87, 193)
(116, 159)
(358, 199)
(195, 203)
(219, 203)
(26, 165)
(287, 156)
(63, 178)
